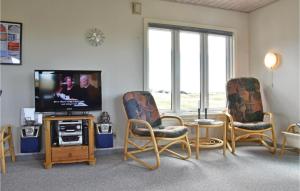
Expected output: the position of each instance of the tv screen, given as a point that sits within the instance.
(67, 90)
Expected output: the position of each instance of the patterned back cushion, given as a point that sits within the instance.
(244, 100)
(141, 105)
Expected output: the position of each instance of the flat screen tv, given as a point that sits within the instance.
(67, 90)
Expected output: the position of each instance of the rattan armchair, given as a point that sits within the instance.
(246, 120)
(144, 123)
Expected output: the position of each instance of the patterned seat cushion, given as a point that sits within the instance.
(253, 125)
(162, 131)
(244, 100)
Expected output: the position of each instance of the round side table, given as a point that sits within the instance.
(207, 142)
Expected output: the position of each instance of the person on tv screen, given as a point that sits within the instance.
(68, 93)
(70, 89)
(89, 93)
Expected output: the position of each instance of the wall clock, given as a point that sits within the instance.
(95, 37)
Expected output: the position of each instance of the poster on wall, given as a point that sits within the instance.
(10, 43)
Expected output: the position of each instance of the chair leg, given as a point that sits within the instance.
(182, 146)
(224, 141)
(157, 157)
(150, 167)
(154, 142)
(188, 147)
(274, 141)
(3, 167)
(156, 154)
(11, 145)
(283, 146)
(126, 142)
(185, 141)
(11, 149)
(261, 139)
(130, 154)
(232, 140)
(1, 157)
(228, 141)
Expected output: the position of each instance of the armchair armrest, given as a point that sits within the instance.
(229, 118)
(4, 129)
(270, 115)
(173, 117)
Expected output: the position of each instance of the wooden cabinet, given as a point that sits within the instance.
(68, 154)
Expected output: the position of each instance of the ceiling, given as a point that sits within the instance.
(246, 6)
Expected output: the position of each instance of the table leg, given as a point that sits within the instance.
(48, 156)
(207, 133)
(91, 150)
(197, 142)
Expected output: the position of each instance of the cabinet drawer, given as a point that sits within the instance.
(71, 153)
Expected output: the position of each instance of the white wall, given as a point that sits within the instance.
(276, 28)
(53, 38)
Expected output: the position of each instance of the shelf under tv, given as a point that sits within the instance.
(68, 154)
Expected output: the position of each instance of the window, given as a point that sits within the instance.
(160, 67)
(187, 66)
(189, 70)
(216, 71)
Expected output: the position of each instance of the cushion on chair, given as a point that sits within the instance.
(141, 105)
(162, 131)
(253, 125)
(244, 99)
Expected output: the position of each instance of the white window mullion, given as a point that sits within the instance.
(204, 73)
(173, 72)
(146, 59)
(202, 79)
(176, 78)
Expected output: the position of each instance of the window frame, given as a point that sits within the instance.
(175, 61)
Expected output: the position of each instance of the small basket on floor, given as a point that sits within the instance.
(291, 138)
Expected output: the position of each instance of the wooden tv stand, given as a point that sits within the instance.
(68, 154)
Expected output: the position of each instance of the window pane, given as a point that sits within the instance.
(160, 54)
(189, 71)
(217, 71)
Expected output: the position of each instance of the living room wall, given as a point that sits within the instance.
(53, 38)
(276, 28)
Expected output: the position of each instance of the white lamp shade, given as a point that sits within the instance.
(271, 60)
